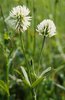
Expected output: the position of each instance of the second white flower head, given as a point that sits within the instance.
(19, 18)
(46, 27)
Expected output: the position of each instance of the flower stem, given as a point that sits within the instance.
(34, 23)
(22, 47)
(26, 47)
(21, 42)
(42, 48)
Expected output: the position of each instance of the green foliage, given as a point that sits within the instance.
(48, 82)
(4, 86)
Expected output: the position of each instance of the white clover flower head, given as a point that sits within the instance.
(47, 28)
(19, 18)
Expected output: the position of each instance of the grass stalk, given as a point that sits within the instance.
(34, 23)
(26, 47)
(3, 18)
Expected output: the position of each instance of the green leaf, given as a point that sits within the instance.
(45, 71)
(25, 76)
(59, 68)
(59, 86)
(6, 36)
(18, 72)
(4, 87)
(37, 82)
(40, 78)
(24, 80)
(15, 79)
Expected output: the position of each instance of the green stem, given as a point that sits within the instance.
(7, 74)
(34, 97)
(27, 2)
(26, 47)
(42, 48)
(34, 22)
(21, 42)
(7, 97)
(7, 79)
(3, 18)
(22, 47)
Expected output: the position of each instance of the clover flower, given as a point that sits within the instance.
(47, 28)
(19, 18)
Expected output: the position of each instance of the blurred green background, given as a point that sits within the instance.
(53, 88)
